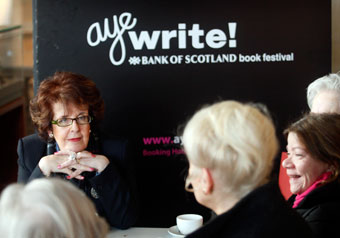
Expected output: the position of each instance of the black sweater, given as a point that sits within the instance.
(110, 190)
(321, 209)
(262, 213)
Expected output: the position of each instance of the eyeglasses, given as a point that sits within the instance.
(63, 122)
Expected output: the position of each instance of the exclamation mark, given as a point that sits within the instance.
(232, 33)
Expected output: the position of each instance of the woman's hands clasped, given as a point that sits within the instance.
(72, 164)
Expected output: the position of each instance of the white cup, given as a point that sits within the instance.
(188, 223)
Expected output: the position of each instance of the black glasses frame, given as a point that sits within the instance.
(77, 119)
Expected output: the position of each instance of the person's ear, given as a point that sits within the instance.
(50, 134)
(207, 181)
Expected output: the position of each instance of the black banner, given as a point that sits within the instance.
(157, 62)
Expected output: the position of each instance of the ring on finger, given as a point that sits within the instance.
(72, 156)
(78, 157)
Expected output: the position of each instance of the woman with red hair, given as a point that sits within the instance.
(65, 112)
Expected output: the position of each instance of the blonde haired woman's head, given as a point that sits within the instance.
(236, 142)
(48, 208)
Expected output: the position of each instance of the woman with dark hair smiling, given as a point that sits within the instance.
(65, 112)
(313, 166)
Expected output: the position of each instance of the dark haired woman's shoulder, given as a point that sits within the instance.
(329, 192)
(31, 146)
(33, 140)
(30, 149)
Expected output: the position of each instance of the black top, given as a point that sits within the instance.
(321, 209)
(262, 213)
(110, 190)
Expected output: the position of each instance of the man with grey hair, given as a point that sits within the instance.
(323, 94)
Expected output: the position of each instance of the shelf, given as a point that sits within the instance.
(4, 29)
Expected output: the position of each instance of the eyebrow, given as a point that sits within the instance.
(297, 147)
(79, 114)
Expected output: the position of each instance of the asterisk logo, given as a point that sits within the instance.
(134, 60)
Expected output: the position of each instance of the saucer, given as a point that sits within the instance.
(175, 232)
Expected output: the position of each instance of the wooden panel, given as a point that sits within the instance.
(12, 127)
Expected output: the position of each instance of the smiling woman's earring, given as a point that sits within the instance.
(51, 135)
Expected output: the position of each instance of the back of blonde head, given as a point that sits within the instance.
(48, 208)
(234, 140)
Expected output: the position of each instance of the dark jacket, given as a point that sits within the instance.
(321, 209)
(262, 213)
(110, 190)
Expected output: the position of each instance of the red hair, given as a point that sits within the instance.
(65, 87)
